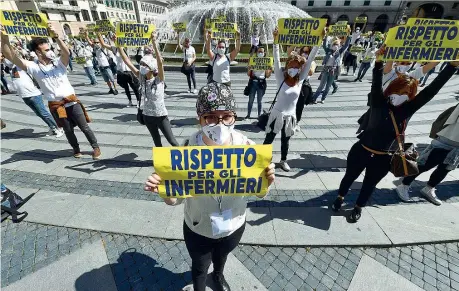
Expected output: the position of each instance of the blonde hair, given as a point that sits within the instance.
(292, 58)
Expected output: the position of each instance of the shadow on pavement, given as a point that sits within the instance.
(124, 162)
(184, 121)
(23, 133)
(38, 155)
(94, 107)
(128, 117)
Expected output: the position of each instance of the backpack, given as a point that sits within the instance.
(439, 123)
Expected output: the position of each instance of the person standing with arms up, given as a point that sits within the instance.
(368, 59)
(220, 62)
(51, 74)
(188, 67)
(151, 77)
(86, 53)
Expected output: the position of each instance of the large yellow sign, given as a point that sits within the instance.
(133, 34)
(338, 30)
(261, 64)
(300, 31)
(104, 26)
(212, 171)
(224, 30)
(24, 23)
(179, 27)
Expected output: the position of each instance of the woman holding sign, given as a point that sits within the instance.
(153, 111)
(213, 226)
(282, 117)
(390, 110)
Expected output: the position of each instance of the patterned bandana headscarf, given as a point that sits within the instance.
(215, 96)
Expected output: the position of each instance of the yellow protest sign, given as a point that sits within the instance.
(261, 64)
(24, 23)
(338, 30)
(179, 27)
(80, 60)
(428, 21)
(210, 21)
(361, 19)
(342, 22)
(104, 26)
(258, 20)
(300, 31)
(212, 171)
(133, 34)
(224, 30)
(422, 43)
(355, 49)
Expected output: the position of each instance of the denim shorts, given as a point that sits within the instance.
(107, 74)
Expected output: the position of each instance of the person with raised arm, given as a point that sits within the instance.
(188, 66)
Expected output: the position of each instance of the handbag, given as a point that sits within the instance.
(140, 116)
(404, 160)
(264, 117)
(247, 88)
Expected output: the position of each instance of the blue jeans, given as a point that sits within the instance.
(257, 89)
(363, 70)
(325, 82)
(70, 64)
(37, 105)
(91, 75)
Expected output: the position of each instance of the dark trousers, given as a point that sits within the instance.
(363, 70)
(126, 79)
(284, 141)
(359, 159)
(436, 158)
(302, 101)
(257, 88)
(154, 124)
(4, 84)
(75, 116)
(191, 77)
(204, 250)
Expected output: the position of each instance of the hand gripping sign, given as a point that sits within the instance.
(24, 23)
(133, 34)
(300, 31)
(179, 27)
(224, 30)
(261, 64)
(423, 42)
(104, 26)
(212, 171)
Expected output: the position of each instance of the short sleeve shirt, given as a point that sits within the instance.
(188, 53)
(120, 65)
(102, 58)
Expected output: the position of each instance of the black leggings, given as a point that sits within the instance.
(191, 77)
(284, 141)
(436, 158)
(126, 79)
(358, 159)
(204, 250)
(154, 124)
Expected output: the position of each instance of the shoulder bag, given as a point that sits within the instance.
(263, 118)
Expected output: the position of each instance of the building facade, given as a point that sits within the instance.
(121, 10)
(150, 12)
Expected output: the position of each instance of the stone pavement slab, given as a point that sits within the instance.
(86, 269)
(406, 224)
(372, 276)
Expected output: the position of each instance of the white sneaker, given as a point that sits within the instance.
(195, 91)
(429, 193)
(297, 128)
(189, 91)
(130, 105)
(354, 74)
(284, 166)
(403, 192)
(58, 132)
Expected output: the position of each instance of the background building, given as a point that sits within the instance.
(150, 11)
(121, 10)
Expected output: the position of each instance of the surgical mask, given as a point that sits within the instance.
(219, 133)
(221, 51)
(397, 100)
(260, 55)
(334, 47)
(144, 70)
(292, 72)
(97, 46)
(402, 69)
(147, 51)
(50, 55)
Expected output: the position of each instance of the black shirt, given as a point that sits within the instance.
(379, 134)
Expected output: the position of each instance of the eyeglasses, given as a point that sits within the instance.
(221, 47)
(213, 120)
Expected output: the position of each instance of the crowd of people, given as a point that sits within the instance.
(213, 226)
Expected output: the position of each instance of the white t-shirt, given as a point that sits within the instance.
(259, 74)
(102, 58)
(120, 65)
(355, 37)
(188, 53)
(221, 69)
(52, 79)
(392, 75)
(24, 84)
(87, 54)
(255, 40)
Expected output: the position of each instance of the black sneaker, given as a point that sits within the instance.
(115, 92)
(355, 215)
(111, 91)
(220, 282)
(336, 206)
(335, 89)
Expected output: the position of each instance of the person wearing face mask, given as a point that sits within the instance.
(255, 43)
(392, 70)
(51, 75)
(125, 78)
(208, 241)
(257, 85)
(104, 65)
(332, 61)
(368, 58)
(151, 77)
(220, 62)
(394, 105)
(189, 58)
(351, 59)
(85, 52)
(282, 117)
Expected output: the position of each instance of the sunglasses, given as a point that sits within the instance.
(213, 120)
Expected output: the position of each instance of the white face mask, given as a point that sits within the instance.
(144, 70)
(260, 55)
(292, 72)
(219, 133)
(402, 69)
(221, 51)
(50, 55)
(397, 100)
(97, 46)
(334, 47)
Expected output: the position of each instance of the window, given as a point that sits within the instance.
(117, 15)
(455, 5)
(311, 3)
(45, 13)
(118, 4)
(112, 3)
(100, 1)
(85, 14)
(408, 4)
(328, 3)
(366, 3)
(63, 16)
(103, 15)
(58, 1)
(94, 14)
(73, 3)
(293, 3)
(347, 3)
(77, 16)
(387, 3)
